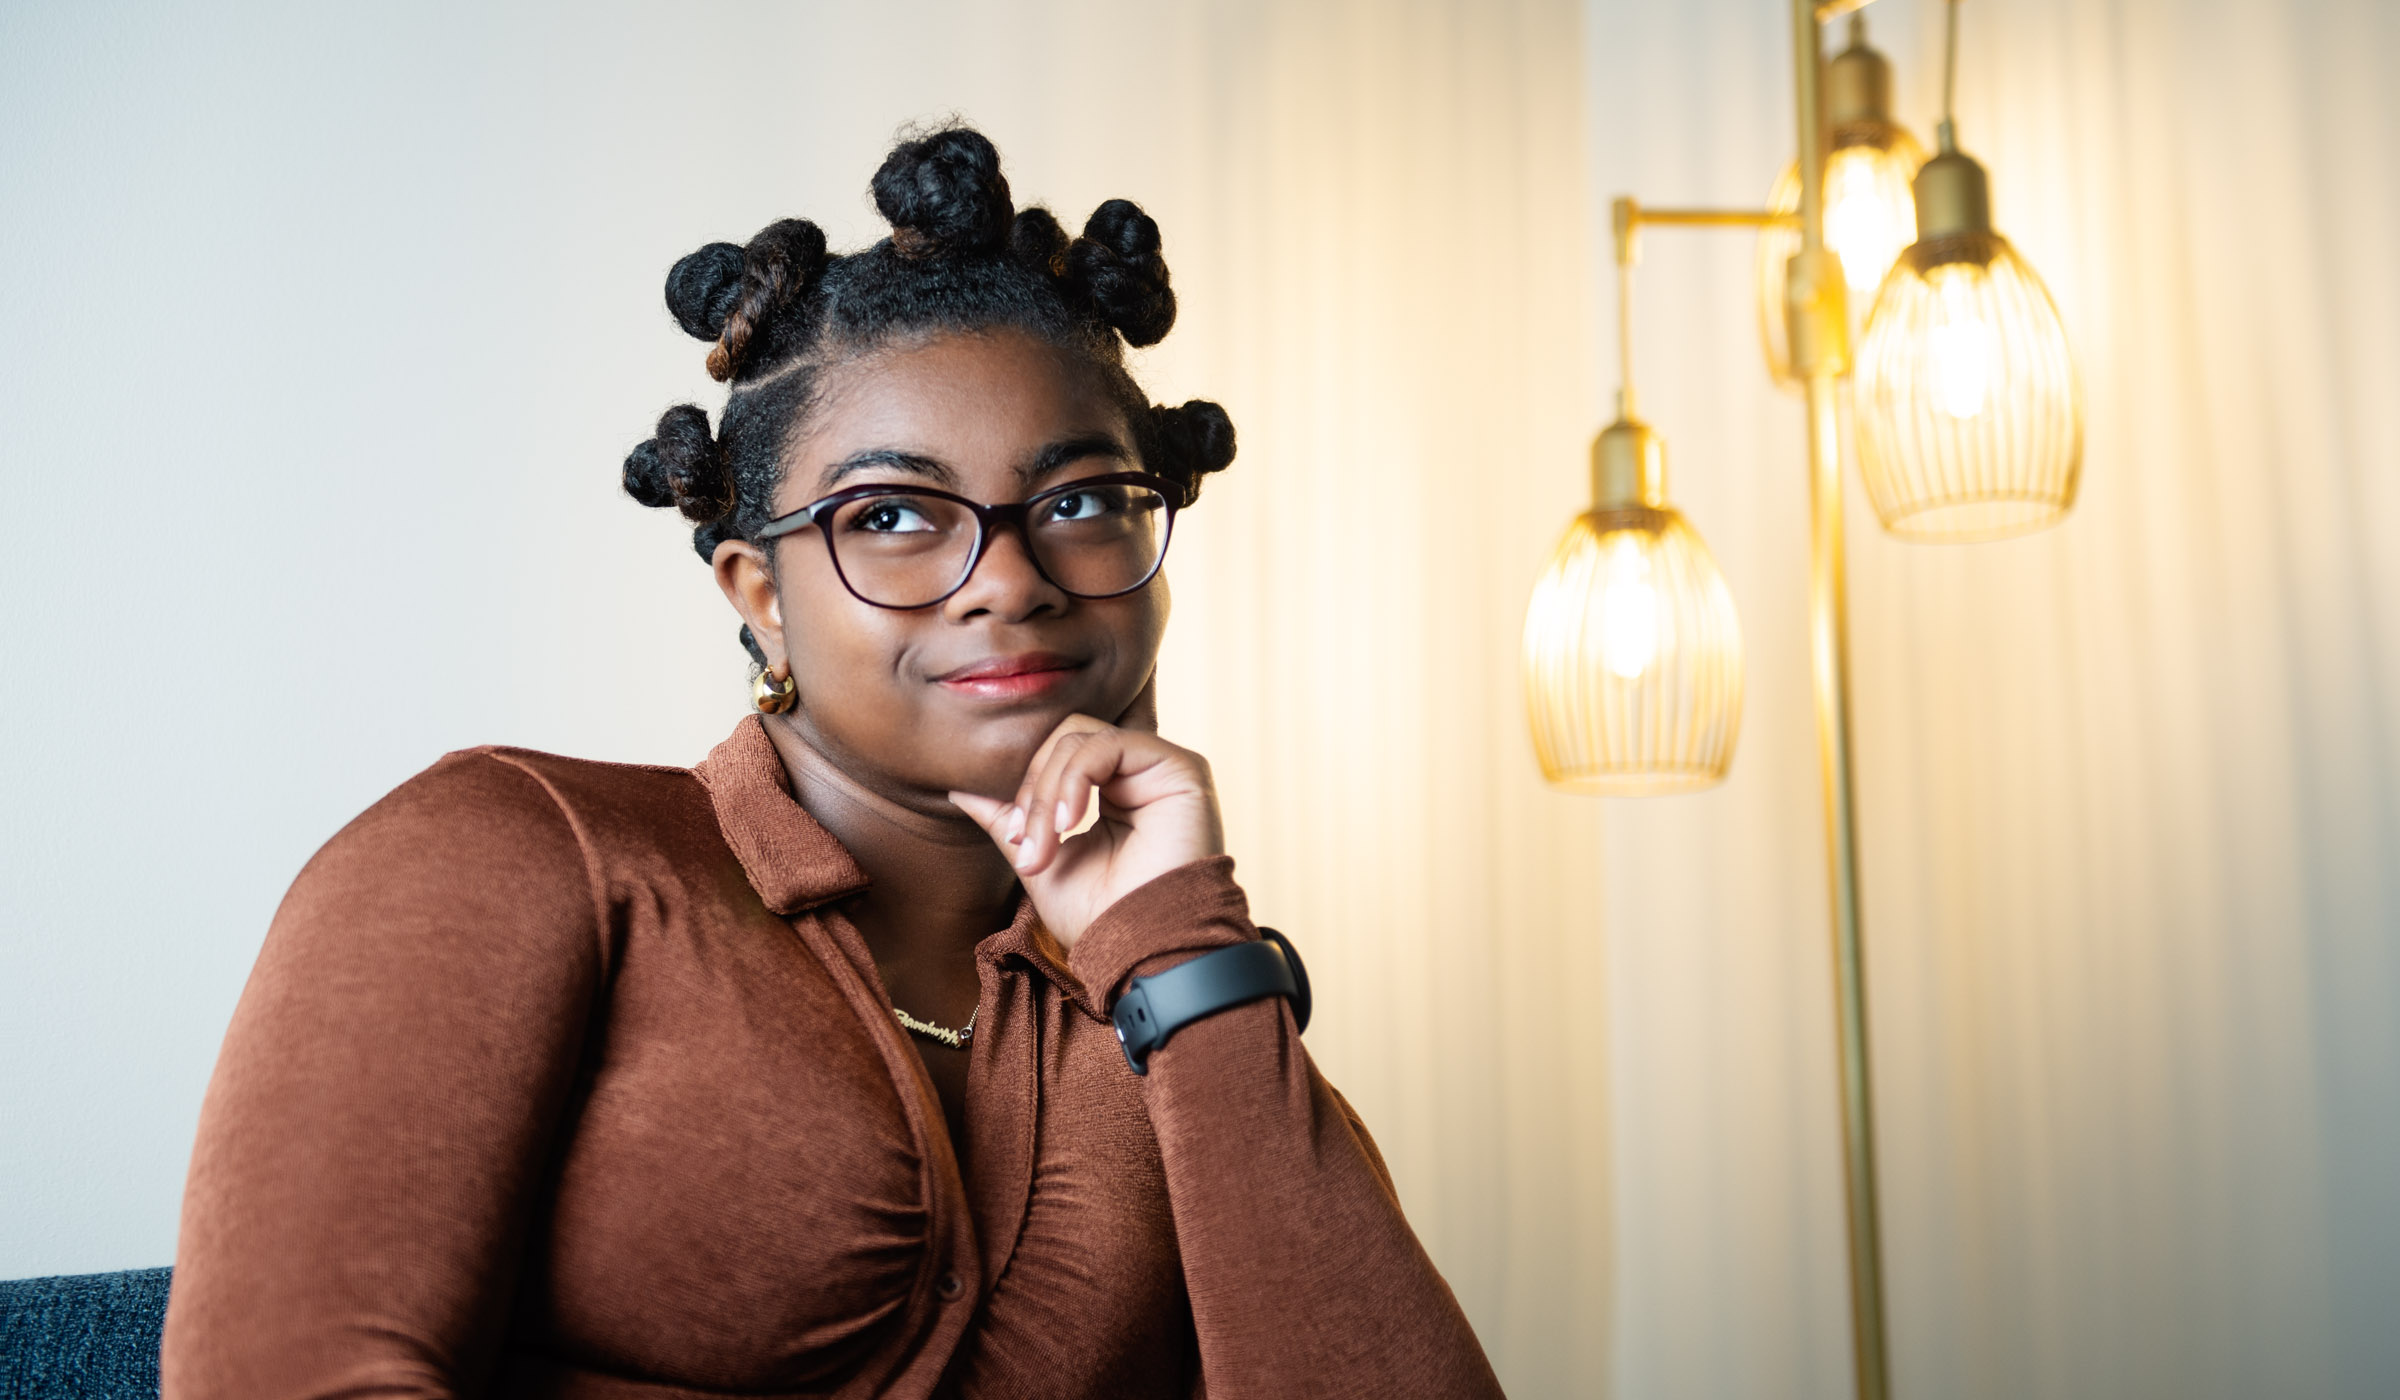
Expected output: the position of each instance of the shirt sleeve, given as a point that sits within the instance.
(381, 1117)
(1304, 1276)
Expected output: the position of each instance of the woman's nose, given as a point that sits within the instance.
(1004, 582)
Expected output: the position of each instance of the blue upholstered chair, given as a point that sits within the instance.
(82, 1337)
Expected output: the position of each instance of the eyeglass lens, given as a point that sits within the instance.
(899, 549)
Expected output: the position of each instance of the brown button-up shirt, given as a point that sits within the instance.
(570, 1079)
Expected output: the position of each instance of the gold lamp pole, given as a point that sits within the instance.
(1971, 425)
(1970, 428)
(1819, 331)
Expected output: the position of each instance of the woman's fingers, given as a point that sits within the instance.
(1078, 762)
(1029, 820)
(1084, 758)
(988, 812)
(1000, 820)
(1074, 796)
(1158, 801)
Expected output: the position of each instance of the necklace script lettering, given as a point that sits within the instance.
(955, 1039)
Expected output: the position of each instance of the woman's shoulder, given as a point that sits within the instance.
(528, 789)
(510, 780)
(497, 814)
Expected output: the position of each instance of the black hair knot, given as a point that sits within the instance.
(702, 288)
(1188, 442)
(736, 296)
(1117, 269)
(943, 193)
(681, 467)
(1036, 241)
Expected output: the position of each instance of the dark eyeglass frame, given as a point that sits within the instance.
(987, 519)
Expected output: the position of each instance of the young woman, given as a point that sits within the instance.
(792, 1074)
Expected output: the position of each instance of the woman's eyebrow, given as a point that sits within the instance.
(917, 463)
(1067, 450)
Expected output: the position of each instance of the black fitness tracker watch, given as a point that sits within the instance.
(1154, 1008)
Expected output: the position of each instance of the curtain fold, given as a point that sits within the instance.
(1388, 286)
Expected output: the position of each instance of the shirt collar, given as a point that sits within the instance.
(792, 862)
(1027, 940)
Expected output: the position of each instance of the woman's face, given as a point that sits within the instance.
(956, 696)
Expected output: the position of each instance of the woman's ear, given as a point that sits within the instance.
(741, 569)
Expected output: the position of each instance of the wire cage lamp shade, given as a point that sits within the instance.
(1632, 658)
(1970, 420)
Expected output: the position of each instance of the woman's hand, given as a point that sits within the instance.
(1158, 810)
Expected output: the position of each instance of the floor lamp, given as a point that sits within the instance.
(1968, 424)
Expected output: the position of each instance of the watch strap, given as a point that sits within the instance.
(1157, 1006)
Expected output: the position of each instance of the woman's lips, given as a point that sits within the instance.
(1010, 677)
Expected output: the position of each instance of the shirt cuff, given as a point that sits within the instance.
(1185, 912)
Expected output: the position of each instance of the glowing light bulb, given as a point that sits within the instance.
(1629, 620)
(1869, 217)
(1959, 343)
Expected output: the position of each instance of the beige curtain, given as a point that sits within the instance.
(1384, 245)
(2131, 846)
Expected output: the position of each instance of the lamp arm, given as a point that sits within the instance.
(1627, 217)
(1646, 217)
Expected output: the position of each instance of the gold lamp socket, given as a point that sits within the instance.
(1629, 467)
(1954, 196)
(1858, 84)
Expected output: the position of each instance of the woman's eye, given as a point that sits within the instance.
(892, 517)
(1079, 505)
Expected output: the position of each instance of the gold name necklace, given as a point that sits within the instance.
(955, 1039)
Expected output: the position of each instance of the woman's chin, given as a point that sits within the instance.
(996, 749)
(997, 774)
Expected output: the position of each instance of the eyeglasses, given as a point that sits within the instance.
(908, 547)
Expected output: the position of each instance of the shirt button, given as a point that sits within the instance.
(950, 1287)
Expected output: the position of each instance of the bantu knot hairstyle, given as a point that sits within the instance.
(961, 257)
(1117, 269)
(1190, 442)
(680, 467)
(944, 193)
(732, 295)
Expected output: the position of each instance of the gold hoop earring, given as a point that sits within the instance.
(773, 699)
